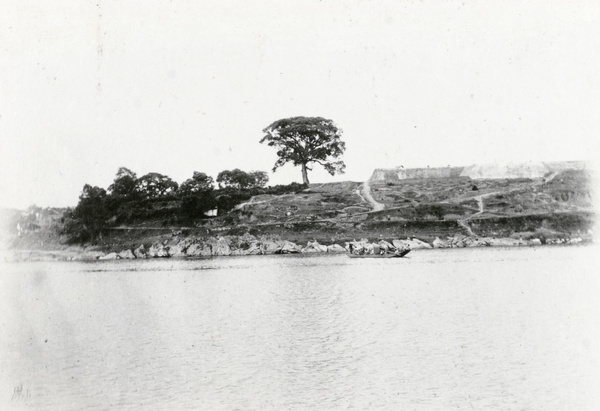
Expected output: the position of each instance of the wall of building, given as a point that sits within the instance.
(383, 175)
(476, 171)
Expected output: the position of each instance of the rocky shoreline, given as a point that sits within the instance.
(178, 245)
(247, 244)
(186, 244)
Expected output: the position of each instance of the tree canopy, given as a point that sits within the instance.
(303, 141)
(199, 183)
(156, 198)
(196, 196)
(88, 220)
(124, 183)
(154, 185)
(241, 180)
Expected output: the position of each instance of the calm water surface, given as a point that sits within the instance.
(506, 329)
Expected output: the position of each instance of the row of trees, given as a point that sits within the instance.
(156, 185)
(155, 196)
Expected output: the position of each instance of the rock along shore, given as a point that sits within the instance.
(247, 244)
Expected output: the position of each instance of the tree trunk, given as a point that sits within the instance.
(304, 174)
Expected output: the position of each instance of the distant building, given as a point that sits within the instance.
(501, 171)
(391, 175)
(532, 170)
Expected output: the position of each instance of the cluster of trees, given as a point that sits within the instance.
(155, 196)
(156, 185)
(302, 141)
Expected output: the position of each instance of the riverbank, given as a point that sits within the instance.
(423, 213)
(179, 245)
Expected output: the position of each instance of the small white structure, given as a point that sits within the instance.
(211, 213)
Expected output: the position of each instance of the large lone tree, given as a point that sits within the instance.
(304, 141)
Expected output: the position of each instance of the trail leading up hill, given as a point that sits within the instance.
(480, 203)
(366, 194)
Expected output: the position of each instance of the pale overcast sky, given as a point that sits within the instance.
(176, 87)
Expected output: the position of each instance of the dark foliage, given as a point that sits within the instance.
(194, 207)
(124, 185)
(88, 220)
(227, 199)
(157, 198)
(437, 210)
(242, 180)
(155, 185)
(285, 189)
(199, 183)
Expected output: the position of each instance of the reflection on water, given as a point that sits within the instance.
(443, 329)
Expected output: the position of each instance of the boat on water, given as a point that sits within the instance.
(386, 255)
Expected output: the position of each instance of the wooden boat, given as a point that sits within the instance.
(387, 255)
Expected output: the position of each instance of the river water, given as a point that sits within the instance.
(505, 329)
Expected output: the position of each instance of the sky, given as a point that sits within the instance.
(175, 87)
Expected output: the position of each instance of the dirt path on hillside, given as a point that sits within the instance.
(463, 223)
(269, 200)
(480, 203)
(366, 195)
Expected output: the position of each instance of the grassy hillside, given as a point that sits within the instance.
(460, 198)
(426, 208)
(319, 201)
